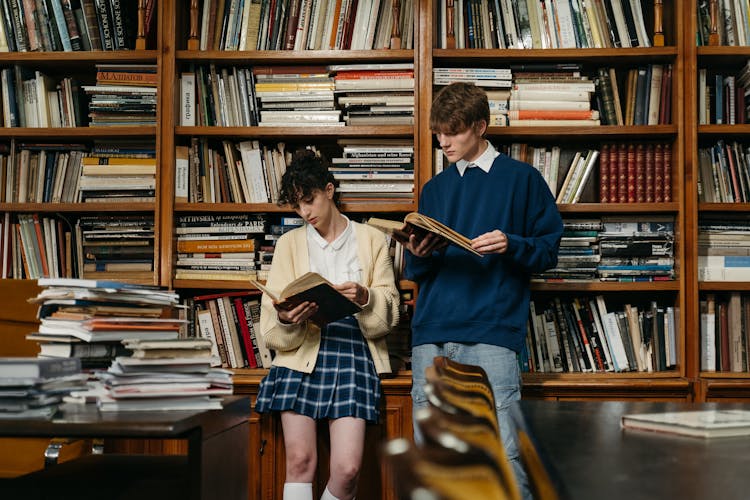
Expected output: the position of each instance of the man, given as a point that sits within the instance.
(469, 308)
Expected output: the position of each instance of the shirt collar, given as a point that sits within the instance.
(336, 244)
(484, 161)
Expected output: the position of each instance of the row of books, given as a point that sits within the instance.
(124, 95)
(728, 18)
(541, 24)
(583, 334)
(232, 321)
(725, 332)
(71, 25)
(95, 247)
(722, 97)
(723, 173)
(614, 248)
(297, 95)
(723, 248)
(304, 25)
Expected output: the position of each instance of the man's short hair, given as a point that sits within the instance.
(457, 107)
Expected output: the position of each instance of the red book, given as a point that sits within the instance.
(614, 173)
(724, 336)
(245, 332)
(604, 174)
(290, 70)
(659, 173)
(40, 241)
(291, 26)
(640, 173)
(649, 173)
(622, 173)
(631, 175)
(667, 173)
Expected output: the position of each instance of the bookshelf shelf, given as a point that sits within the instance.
(609, 208)
(723, 130)
(76, 207)
(724, 207)
(277, 57)
(76, 132)
(99, 56)
(589, 133)
(603, 286)
(499, 56)
(275, 132)
(723, 286)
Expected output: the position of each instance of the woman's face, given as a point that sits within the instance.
(318, 208)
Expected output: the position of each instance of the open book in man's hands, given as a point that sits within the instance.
(420, 224)
(312, 287)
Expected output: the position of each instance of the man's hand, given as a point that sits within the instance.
(423, 247)
(354, 292)
(299, 314)
(492, 242)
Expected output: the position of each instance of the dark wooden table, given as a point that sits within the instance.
(591, 457)
(216, 465)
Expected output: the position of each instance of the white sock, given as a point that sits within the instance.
(298, 491)
(327, 495)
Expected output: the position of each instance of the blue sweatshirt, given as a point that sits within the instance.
(466, 298)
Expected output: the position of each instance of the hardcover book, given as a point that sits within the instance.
(312, 287)
(419, 224)
(703, 423)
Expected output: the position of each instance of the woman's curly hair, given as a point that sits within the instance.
(305, 173)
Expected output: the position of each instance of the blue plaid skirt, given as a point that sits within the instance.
(344, 382)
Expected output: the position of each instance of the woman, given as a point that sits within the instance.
(329, 373)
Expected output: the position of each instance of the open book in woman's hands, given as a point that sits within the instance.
(312, 287)
(419, 224)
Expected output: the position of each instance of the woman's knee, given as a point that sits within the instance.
(300, 463)
(345, 473)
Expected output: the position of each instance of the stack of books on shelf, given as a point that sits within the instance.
(578, 255)
(100, 235)
(124, 95)
(264, 256)
(217, 246)
(373, 168)
(107, 179)
(551, 95)
(495, 81)
(724, 176)
(164, 375)
(88, 319)
(636, 248)
(232, 321)
(581, 335)
(375, 93)
(723, 248)
(34, 387)
(508, 24)
(724, 332)
(295, 96)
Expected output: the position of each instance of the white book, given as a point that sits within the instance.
(588, 168)
(187, 99)
(640, 24)
(181, 174)
(557, 105)
(654, 100)
(671, 317)
(614, 337)
(620, 24)
(526, 94)
(700, 423)
(604, 340)
(253, 166)
(566, 25)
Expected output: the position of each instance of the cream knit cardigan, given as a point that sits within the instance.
(297, 346)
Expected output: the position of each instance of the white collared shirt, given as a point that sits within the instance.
(484, 161)
(336, 261)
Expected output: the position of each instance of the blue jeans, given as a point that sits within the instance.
(502, 369)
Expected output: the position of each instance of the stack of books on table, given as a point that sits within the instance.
(87, 320)
(551, 95)
(34, 387)
(218, 246)
(124, 95)
(370, 168)
(496, 82)
(375, 94)
(115, 247)
(295, 96)
(165, 375)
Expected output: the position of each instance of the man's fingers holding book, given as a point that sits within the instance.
(493, 242)
(423, 247)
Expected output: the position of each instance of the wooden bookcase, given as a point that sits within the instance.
(173, 53)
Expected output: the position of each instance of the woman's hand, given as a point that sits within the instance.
(493, 242)
(354, 292)
(299, 314)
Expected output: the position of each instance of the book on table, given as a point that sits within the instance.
(420, 225)
(700, 423)
(38, 368)
(312, 287)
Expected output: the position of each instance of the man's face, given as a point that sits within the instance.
(464, 145)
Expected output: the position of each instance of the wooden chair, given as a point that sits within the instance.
(462, 381)
(462, 432)
(434, 473)
(540, 479)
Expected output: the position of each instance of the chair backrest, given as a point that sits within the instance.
(453, 400)
(461, 382)
(441, 474)
(462, 432)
